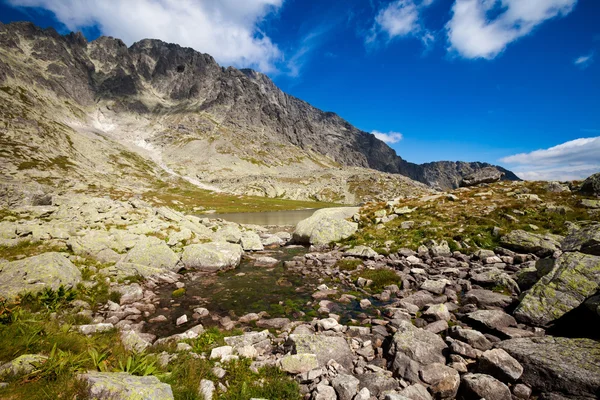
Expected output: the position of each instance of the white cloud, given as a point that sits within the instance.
(483, 28)
(584, 61)
(401, 18)
(226, 29)
(389, 138)
(576, 159)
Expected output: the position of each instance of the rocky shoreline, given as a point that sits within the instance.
(430, 323)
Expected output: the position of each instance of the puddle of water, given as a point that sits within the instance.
(247, 289)
(287, 217)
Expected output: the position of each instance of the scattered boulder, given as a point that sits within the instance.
(499, 364)
(361, 252)
(212, 257)
(123, 386)
(487, 299)
(443, 381)
(250, 241)
(326, 226)
(585, 240)
(34, 274)
(574, 278)
(154, 253)
(324, 347)
(484, 175)
(480, 386)
(299, 363)
(345, 386)
(540, 245)
(473, 338)
(413, 348)
(570, 367)
(491, 319)
(591, 186)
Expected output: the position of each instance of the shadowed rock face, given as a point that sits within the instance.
(153, 77)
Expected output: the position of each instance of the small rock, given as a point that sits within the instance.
(206, 389)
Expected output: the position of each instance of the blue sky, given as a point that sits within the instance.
(510, 82)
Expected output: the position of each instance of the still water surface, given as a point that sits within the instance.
(288, 217)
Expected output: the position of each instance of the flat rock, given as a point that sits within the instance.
(34, 274)
(154, 253)
(123, 386)
(491, 319)
(361, 252)
(487, 299)
(211, 257)
(553, 364)
(540, 245)
(574, 278)
(472, 337)
(299, 363)
(324, 347)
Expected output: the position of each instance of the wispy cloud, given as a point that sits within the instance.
(576, 159)
(401, 18)
(308, 44)
(584, 61)
(472, 33)
(389, 138)
(226, 29)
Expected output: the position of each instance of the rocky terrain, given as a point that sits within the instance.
(89, 115)
(100, 300)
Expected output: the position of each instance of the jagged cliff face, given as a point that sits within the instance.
(179, 110)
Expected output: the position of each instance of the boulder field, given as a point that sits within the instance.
(432, 323)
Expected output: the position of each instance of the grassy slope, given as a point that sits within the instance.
(472, 217)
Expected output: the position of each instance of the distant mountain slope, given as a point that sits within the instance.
(180, 110)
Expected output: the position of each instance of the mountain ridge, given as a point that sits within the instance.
(176, 103)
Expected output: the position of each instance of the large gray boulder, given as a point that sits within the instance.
(34, 274)
(574, 278)
(585, 240)
(326, 226)
(324, 347)
(122, 386)
(212, 257)
(570, 367)
(591, 186)
(484, 175)
(153, 252)
(412, 348)
(540, 245)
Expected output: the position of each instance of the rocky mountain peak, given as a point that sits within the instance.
(183, 101)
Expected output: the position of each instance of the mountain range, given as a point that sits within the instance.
(100, 114)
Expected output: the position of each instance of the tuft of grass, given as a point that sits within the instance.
(381, 277)
(268, 383)
(347, 264)
(177, 293)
